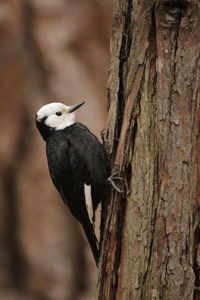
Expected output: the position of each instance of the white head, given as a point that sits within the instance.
(57, 115)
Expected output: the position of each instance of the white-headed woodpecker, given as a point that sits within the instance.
(77, 162)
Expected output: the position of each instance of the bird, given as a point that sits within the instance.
(78, 164)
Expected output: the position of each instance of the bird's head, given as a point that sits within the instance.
(55, 116)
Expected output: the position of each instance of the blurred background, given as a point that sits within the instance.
(49, 51)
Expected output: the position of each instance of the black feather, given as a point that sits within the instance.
(76, 157)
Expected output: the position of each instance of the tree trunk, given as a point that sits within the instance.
(151, 234)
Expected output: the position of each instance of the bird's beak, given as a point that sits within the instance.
(75, 107)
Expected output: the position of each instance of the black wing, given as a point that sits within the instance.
(90, 161)
(76, 202)
(75, 156)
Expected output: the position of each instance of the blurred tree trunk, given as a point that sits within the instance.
(151, 235)
(49, 51)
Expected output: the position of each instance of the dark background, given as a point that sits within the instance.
(49, 51)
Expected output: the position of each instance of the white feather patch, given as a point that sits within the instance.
(88, 201)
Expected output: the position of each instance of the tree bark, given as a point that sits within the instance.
(151, 235)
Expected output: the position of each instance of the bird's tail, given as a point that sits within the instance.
(91, 237)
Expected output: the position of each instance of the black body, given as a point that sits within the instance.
(76, 157)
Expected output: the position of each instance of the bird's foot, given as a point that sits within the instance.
(113, 179)
(104, 136)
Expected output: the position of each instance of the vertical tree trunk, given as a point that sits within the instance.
(151, 234)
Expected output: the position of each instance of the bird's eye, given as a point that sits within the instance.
(58, 113)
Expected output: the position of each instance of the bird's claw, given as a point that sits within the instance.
(112, 179)
(104, 135)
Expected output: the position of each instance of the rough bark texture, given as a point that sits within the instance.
(49, 51)
(151, 237)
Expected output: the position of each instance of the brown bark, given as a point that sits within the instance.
(151, 235)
